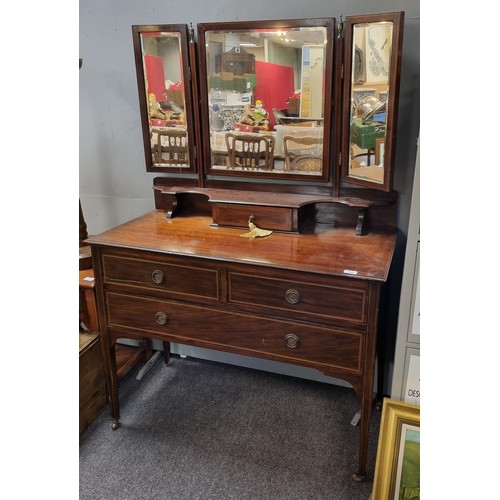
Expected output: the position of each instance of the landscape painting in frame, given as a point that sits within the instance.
(408, 469)
(397, 467)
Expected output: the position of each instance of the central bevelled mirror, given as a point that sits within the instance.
(266, 90)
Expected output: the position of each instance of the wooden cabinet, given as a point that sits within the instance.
(236, 61)
(92, 382)
(309, 299)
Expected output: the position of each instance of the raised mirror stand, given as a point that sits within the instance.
(286, 212)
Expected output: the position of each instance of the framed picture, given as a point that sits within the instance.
(378, 52)
(379, 151)
(397, 468)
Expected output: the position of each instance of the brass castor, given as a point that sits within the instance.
(358, 478)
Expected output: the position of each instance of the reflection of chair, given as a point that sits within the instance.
(170, 147)
(303, 153)
(250, 151)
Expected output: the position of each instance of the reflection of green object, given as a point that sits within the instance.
(364, 135)
(236, 83)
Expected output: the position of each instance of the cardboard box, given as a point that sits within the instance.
(241, 127)
(158, 123)
(176, 96)
(294, 106)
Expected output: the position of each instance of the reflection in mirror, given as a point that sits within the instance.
(268, 84)
(164, 94)
(371, 59)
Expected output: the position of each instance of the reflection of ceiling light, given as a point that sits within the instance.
(248, 45)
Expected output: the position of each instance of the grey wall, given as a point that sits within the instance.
(114, 185)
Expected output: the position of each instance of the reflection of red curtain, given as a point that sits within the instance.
(274, 86)
(155, 76)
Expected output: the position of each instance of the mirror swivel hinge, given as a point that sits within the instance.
(195, 152)
(340, 159)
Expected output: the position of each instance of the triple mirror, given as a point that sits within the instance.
(264, 105)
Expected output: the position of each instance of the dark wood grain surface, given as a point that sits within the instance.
(321, 249)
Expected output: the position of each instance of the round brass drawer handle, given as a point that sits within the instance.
(158, 276)
(161, 318)
(292, 341)
(292, 296)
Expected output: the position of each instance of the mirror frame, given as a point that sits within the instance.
(183, 31)
(328, 121)
(397, 19)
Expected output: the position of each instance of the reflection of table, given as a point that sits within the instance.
(363, 167)
(295, 120)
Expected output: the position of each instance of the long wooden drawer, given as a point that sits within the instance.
(175, 278)
(241, 333)
(329, 303)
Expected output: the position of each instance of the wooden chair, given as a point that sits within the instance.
(250, 151)
(303, 153)
(170, 147)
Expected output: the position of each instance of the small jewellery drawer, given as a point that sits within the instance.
(323, 302)
(274, 218)
(248, 334)
(175, 278)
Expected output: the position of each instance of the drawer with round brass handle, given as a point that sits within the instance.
(158, 276)
(161, 318)
(335, 302)
(292, 341)
(321, 347)
(173, 277)
(292, 296)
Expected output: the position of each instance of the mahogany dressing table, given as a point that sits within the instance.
(309, 293)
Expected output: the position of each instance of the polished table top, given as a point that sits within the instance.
(319, 249)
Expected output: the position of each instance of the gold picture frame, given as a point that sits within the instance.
(379, 150)
(397, 467)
